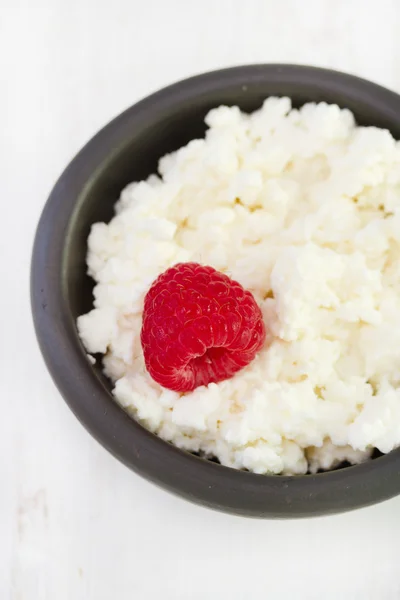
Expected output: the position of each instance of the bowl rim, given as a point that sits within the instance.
(194, 478)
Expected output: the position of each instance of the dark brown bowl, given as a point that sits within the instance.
(128, 149)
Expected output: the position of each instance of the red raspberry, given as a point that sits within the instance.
(199, 327)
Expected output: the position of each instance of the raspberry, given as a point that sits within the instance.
(199, 327)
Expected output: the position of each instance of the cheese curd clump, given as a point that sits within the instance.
(302, 207)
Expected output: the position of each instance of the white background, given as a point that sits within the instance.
(74, 523)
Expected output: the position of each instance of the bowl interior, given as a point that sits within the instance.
(166, 126)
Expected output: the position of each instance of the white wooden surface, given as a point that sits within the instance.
(74, 523)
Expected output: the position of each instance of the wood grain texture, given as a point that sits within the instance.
(74, 523)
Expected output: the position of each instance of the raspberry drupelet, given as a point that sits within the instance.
(199, 327)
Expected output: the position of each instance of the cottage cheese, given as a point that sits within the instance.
(302, 207)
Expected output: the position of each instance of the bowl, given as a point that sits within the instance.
(128, 149)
